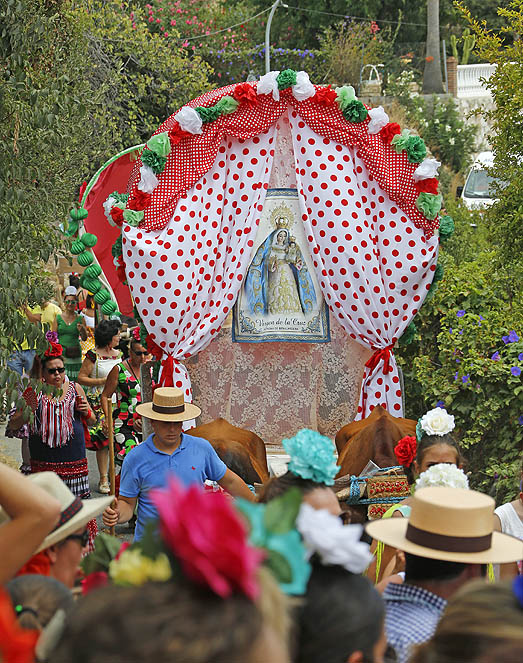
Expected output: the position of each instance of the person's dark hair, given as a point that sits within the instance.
(104, 332)
(419, 569)
(479, 617)
(36, 598)
(74, 281)
(279, 485)
(89, 302)
(341, 613)
(39, 364)
(164, 622)
(426, 442)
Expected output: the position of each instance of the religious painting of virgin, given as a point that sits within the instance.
(280, 299)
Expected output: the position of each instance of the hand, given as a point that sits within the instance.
(82, 405)
(111, 514)
(79, 326)
(105, 427)
(137, 425)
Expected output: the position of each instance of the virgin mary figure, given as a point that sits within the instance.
(272, 285)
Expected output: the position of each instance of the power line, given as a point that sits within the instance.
(354, 18)
(209, 34)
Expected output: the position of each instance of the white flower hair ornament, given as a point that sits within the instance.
(435, 422)
(443, 474)
(335, 543)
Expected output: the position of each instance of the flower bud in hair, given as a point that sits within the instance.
(51, 336)
(405, 450)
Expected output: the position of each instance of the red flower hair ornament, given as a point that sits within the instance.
(405, 450)
(16, 644)
(54, 350)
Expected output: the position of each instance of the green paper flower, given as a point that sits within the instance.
(272, 527)
(208, 114)
(116, 249)
(345, 95)
(77, 247)
(102, 296)
(133, 217)
(409, 334)
(85, 258)
(120, 198)
(156, 163)
(399, 142)
(160, 144)
(446, 227)
(286, 78)
(89, 239)
(109, 307)
(429, 204)
(355, 111)
(416, 149)
(312, 456)
(91, 285)
(78, 214)
(227, 105)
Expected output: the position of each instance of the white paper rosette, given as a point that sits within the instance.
(148, 180)
(303, 89)
(427, 169)
(189, 120)
(269, 85)
(378, 119)
(335, 543)
(108, 205)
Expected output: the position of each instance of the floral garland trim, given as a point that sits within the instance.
(81, 248)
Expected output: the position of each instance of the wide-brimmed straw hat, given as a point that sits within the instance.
(75, 513)
(450, 524)
(168, 405)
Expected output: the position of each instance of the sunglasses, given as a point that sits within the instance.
(82, 538)
(139, 353)
(54, 371)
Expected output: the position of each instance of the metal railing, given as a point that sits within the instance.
(471, 80)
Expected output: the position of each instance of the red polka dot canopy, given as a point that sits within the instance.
(368, 202)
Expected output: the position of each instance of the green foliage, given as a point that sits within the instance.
(459, 331)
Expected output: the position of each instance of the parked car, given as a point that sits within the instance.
(479, 185)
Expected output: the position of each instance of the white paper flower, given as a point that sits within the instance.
(428, 168)
(378, 119)
(148, 180)
(335, 543)
(437, 422)
(108, 206)
(269, 85)
(303, 89)
(443, 474)
(189, 120)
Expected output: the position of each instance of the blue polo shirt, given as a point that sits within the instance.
(147, 467)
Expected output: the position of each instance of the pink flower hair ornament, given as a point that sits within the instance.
(208, 538)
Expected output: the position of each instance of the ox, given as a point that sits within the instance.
(241, 450)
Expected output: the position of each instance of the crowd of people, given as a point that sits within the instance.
(219, 571)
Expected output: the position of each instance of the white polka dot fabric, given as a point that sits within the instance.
(373, 265)
(185, 278)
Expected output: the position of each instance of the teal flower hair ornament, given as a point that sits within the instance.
(312, 456)
(273, 529)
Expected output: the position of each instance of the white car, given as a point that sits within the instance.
(478, 190)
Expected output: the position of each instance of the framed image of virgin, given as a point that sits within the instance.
(280, 299)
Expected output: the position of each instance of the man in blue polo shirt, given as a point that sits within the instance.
(168, 451)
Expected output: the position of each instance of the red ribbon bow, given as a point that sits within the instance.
(380, 354)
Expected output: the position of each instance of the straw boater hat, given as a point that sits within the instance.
(75, 513)
(168, 405)
(450, 524)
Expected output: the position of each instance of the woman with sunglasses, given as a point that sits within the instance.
(70, 328)
(57, 434)
(124, 380)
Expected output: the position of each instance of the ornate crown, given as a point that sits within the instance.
(281, 217)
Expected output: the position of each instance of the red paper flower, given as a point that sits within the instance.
(389, 131)
(405, 450)
(120, 261)
(208, 538)
(16, 643)
(325, 96)
(94, 581)
(140, 200)
(153, 348)
(117, 215)
(244, 93)
(177, 134)
(430, 185)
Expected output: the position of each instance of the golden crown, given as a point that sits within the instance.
(281, 217)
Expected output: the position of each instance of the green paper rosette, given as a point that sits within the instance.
(446, 227)
(133, 217)
(109, 307)
(85, 258)
(208, 114)
(88, 239)
(355, 111)
(416, 149)
(156, 163)
(93, 271)
(77, 247)
(227, 105)
(116, 249)
(160, 144)
(429, 204)
(286, 78)
(345, 95)
(102, 296)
